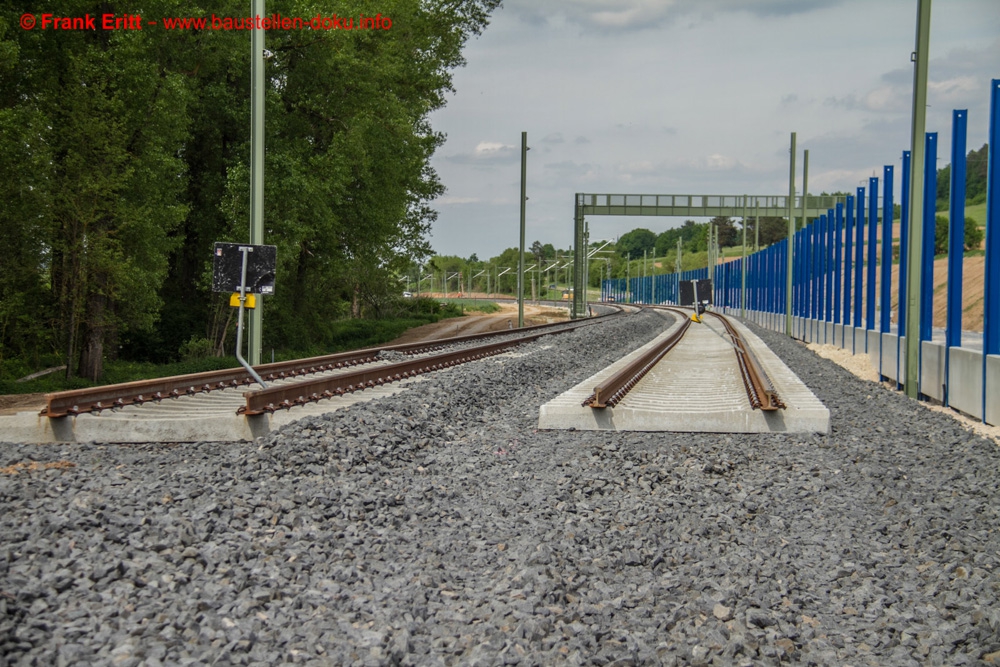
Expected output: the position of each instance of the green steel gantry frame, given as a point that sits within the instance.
(708, 206)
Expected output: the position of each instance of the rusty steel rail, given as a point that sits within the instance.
(96, 399)
(288, 396)
(612, 390)
(760, 390)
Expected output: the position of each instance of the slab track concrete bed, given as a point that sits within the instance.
(200, 418)
(695, 388)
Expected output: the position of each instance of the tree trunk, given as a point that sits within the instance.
(92, 353)
(356, 301)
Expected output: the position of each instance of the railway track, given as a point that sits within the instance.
(307, 380)
(759, 388)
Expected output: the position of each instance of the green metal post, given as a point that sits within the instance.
(914, 235)
(579, 254)
(520, 258)
(586, 264)
(256, 321)
(805, 186)
(654, 276)
(805, 183)
(743, 264)
(711, 249)
(791, 236)
(756, 226)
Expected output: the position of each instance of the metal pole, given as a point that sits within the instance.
(807, 238)
(791, 235)
(743, 264)
(756, 226)
(586, 264)
(991, 310)
(956, 242)
(654, 274)
(914, 237)
(886, 287)
(246, 250)
(805, 184)
(872, 255)
(677, 294)
(254, 334)
(520, 259)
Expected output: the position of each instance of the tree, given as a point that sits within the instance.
(634, 243)
(110, 109)
(538, 252)
(727, 231)
(772, 230)
(976, 163)
(508, 259)
(690, 233)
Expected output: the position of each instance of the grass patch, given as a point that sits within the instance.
(975, 211)
(473, 305)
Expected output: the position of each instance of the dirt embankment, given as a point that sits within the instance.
(480, 323)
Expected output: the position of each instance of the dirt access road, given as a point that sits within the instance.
(455, 326)
(479, 323)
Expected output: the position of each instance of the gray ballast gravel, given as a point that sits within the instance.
(438, 527)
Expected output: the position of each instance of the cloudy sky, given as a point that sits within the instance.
(691, 97)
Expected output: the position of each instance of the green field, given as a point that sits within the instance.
(977, 212)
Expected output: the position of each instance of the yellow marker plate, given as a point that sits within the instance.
(251, 302)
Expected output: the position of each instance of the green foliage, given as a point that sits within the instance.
(197, 348)
(976, 166)
(973, 234)
(728, 234)
(474, 305)
(690, 234)
(636, 242)
(772, 230)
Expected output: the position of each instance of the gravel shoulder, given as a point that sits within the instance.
(439, 526)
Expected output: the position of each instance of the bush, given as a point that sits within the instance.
(973, 235)
(196, 348)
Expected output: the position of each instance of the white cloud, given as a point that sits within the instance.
(450, 201)
(622, 15)
(718, 161)
(492, 148)
(487, 153)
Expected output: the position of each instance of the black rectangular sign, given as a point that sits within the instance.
(227, 267)
(704, 288)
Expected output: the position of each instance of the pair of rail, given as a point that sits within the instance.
(760, 390)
